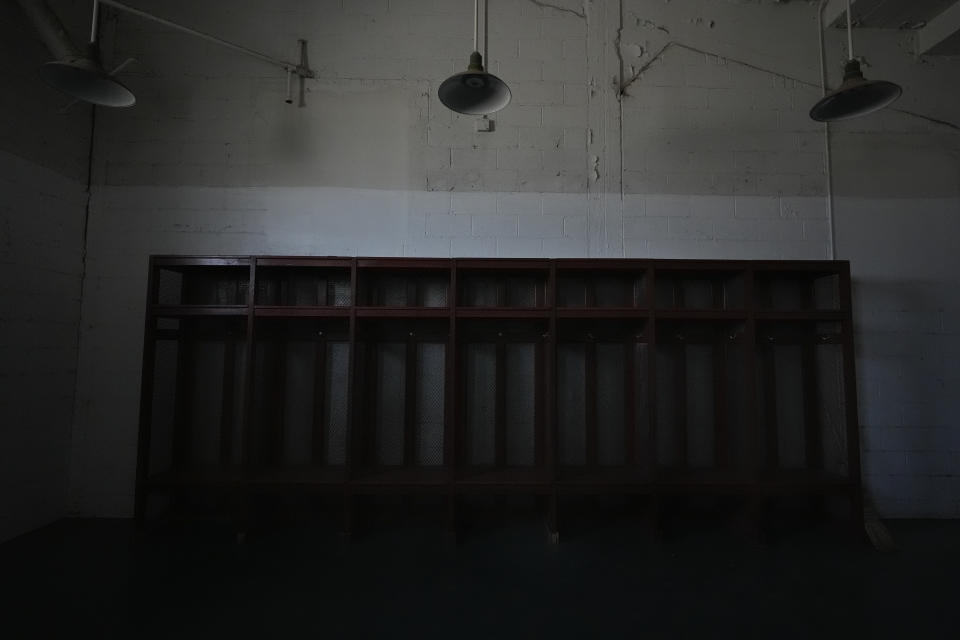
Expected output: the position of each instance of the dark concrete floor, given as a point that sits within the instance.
(98, 579)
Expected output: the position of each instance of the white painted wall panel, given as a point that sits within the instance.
(702, 156)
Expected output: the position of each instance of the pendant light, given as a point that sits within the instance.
(856, 96)
(81, 75)
(75, 72)
(84, 79)
(474, 91)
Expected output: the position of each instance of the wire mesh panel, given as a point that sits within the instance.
(403, 393)
(389, 399)
(741, 449)
(304, 290)
(801, 398)
(163, 405)
(826, 292)
(501, 393)
(485, 289)
(571, 401)
(298, 400)
(525, 290)
(695, 293)
(520, 406)
(203, 285)
(798, 291)
(611, 400)
(700, 410)
(620, 290)
(613, 291)
(702, 400)
(479, 291)
(639, 387)
(790, 406)
(572, 290)
(601, 394)
(197, 403)
(337, 368)
(430, 392)
(389, 291)
(480, 387)
(432, 290)
(169, 287)
(785, 293)
(205, 401)
(404, 288)
(264, 412)
(831, 408)
(301, 385)
(700, 290)
(271, 396)
(601, 289)
(268, 406)
(305, 286)
(667, 409)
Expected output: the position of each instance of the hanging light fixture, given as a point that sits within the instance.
(82, 76)
(84, 79)
(474, 91)
(75, 72)
(856, 96)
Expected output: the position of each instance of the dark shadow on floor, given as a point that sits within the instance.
(607, 579)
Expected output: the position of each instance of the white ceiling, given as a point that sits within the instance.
(937, 21)
(894, 14)
(950, 46)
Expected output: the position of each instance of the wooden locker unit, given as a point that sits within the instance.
(358, 376)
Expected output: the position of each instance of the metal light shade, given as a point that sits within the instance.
(85, 80)
(474, 91)
(857, 96)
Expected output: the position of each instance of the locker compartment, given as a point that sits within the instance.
(798, 291)
(202, 286)
(700, 290)
(197, 405)
(403, 287)
(602, 397)
(522, 288)
(702, 418)
(304, 286)
(801, 400)
(401, 395)
(502, 395)
(602, 289)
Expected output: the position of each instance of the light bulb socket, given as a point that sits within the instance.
(852, 71)
(476, 62)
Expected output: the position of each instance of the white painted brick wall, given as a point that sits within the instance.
(908, 343)
(41, 226)
(33, 126)
(43, 158)
(495, 225)
(718, 160)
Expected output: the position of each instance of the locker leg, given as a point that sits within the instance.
(858, 520)
(553, 533)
